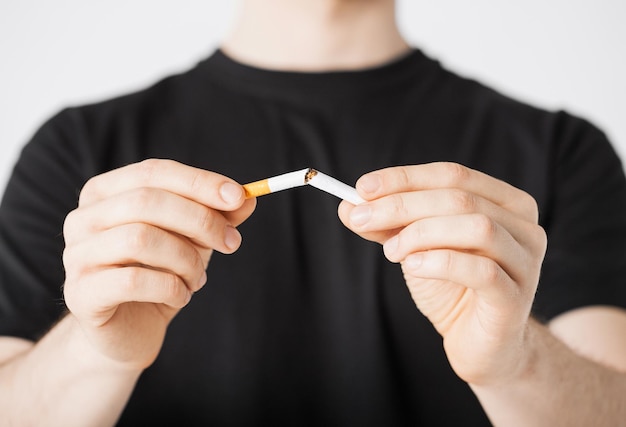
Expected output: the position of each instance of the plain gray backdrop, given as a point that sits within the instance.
(556, 54)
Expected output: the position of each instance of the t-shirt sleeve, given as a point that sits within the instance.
(585, 221)
(41, 191)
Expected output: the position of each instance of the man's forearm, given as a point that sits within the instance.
(557, 388)
(62, 381)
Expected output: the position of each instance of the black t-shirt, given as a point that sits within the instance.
(308, 324)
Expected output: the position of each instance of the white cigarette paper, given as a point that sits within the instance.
(333, 186)
(276, 183)
(287, 181)
(302, 177)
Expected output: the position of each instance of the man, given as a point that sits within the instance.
(306, 323)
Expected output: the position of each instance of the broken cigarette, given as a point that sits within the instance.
(275, 183)
(302, 177)
(333, 186)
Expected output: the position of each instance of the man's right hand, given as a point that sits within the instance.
(137, 248)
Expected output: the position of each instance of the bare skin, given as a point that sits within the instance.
(149, 228)
(137, 248)
(471, 251)
(323, 34)
(476, 286)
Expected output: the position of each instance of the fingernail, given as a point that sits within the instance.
(360, 215)
(232, 238)
(231, 193)
(369, 183)
(391, 246)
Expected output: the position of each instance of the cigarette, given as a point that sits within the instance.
(333, 186)
(302, 177)
(275, 183)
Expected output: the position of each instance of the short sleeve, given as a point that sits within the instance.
(41, 191)
(585, 221)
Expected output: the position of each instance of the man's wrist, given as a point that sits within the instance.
(515, 364)
(87, 354)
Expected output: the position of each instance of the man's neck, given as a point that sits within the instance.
(315, 35)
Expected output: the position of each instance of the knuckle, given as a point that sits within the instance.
(399, 207)
(197, 184)
(491, 271)
(205, 256)
(463, 201)
(141, 199)
(422, 231)
(88, 191)
(69, 295)
(532, 208)
(68, 258)
(416, 232)
(194, 265)
(197, 262)
(129, 279)
(137, 237)
(173, 290)
(484, 227)
(206, 220)
(540, 237)
(454, 173)
(403, 177)
(77, 297)
(170, 286)
(148, 168)
(69, 224)
(445, 260)
(528, 206)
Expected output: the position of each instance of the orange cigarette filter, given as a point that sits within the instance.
(257, 188)
(276, 183)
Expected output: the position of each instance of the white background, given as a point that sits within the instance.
(552, 53)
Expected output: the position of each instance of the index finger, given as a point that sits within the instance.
(208, 188)
(442, 175)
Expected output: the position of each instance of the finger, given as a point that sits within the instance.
(441, 283)
(473, 233)
(400, 209)
(238, 216)
(205, 187)
(138, 244)
(476, 272)
(440, 175)
(98, 294)
(379, 236)
(204, 226)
